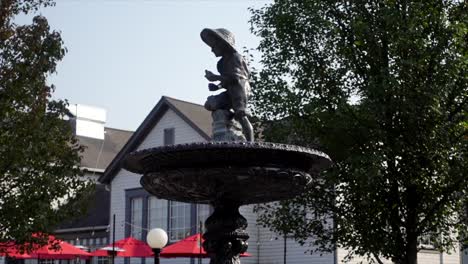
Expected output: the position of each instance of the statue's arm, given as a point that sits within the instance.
(213, 77)
(213, 87)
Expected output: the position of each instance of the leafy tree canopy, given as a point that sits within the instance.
(380, 86)
(40, 163)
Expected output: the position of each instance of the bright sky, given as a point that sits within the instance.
(123, 55)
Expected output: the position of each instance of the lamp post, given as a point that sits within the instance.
(156, 239)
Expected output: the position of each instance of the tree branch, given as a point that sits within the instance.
(458, 109)
(376, 257)
(446, 195)
(5, 13)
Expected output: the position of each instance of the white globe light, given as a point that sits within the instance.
(156, 238)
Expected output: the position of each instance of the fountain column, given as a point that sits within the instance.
(225, 238)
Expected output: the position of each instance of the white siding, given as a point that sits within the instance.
(266, 248)
(184, 133)
(424, 257)
(252, 230)
(433, 257)
(341, 254)
(272, 251)
(122, 181)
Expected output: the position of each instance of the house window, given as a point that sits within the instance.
(169, 136)
(136, 217)
(179, 221)
(144, 212)
(157, 213)
(174, 217)
(46, 261)
(102, 260)
(427, 241)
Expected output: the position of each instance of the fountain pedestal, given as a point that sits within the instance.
(225, 238)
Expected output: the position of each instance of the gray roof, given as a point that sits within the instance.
(98, 153)
(193, 114)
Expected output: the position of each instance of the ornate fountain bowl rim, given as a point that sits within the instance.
(225, 153)
(241, 172)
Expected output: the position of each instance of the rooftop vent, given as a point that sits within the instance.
(88, 121)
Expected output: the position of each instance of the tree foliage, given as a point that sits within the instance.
(380, 86)
(40, 172)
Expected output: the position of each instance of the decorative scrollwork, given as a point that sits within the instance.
(244, 185)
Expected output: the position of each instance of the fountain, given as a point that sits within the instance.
(233, 169)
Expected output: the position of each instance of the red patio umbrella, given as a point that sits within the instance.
(58, 249)
(10, 249)
(55, 249)
(189, 247)
(132, 248)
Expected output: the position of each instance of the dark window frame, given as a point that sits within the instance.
(142, 193)
(169, 136)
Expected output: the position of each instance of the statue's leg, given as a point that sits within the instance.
(238, 96)
(247, 128)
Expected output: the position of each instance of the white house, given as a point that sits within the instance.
(174, 121)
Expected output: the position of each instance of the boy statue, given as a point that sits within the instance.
(233, 76)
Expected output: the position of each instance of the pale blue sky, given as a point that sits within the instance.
(123, 55)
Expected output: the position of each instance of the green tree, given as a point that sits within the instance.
(380, 86)
(40, 172)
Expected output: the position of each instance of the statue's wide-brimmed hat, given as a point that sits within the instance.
(215, 36)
